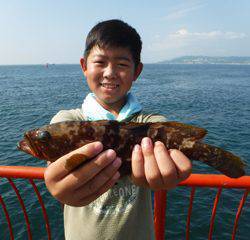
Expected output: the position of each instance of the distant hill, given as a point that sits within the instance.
(207, 60)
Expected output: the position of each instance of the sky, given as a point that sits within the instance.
(39, 32)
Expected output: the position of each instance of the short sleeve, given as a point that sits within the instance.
(68, 115)
(143, 118)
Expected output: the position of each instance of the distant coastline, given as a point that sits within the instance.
(214, 60)
(233, 60)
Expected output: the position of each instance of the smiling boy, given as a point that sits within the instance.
(96, 207)
(110, 74)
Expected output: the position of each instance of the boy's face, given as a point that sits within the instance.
(110, 74)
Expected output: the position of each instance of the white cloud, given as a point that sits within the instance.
(183, 10)
(183, 42)
(185, 34)
(180, 13)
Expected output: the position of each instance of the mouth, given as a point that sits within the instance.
(26, 146)
(109, 86)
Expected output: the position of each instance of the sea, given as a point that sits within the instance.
(215, 97)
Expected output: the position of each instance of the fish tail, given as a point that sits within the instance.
(223, 161)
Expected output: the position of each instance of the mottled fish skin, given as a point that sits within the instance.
(53, 141)
(223, 161)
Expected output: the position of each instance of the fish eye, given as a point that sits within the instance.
(43, 136)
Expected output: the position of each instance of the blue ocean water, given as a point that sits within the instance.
(216, 97)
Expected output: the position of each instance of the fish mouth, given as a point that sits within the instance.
(27, 146)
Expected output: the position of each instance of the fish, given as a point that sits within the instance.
(50, 142)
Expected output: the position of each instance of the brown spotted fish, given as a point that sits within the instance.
(53, 141)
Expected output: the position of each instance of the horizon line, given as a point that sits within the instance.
(47, 63)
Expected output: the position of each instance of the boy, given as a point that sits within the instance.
(95, 207)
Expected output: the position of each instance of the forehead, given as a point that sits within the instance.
(111, 52)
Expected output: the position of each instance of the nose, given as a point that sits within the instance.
(110, 72)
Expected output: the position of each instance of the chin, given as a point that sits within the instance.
(111, 100)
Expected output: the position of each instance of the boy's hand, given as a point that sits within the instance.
(156, 167)
(82, 185)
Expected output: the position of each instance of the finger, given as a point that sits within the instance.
(99, 180)
(166, 165)
(182, 163)
(104, 188)
(88, 171)
(65, 164)
(152, 172)
(138, 172)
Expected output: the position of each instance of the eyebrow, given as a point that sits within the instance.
(117, 58)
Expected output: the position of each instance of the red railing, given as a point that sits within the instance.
(29, 173)
(194, 181)
(201, 180)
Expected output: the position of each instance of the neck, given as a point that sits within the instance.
(115, 107)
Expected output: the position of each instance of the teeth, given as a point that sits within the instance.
(109, 85)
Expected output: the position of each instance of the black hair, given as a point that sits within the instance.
(114, 33)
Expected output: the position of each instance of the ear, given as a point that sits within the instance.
(138, 71)
(83, 64)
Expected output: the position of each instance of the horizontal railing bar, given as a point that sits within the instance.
(216, 180)
(196, 180)
(22, 172)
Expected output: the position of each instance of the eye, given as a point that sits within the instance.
(123, 64)
(99, 62)
(43, 136)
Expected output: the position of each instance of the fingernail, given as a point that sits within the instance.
(110, 154)
(146, 142)
(137, 148)
(98, 146)
(117, 162)
(158, 144)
